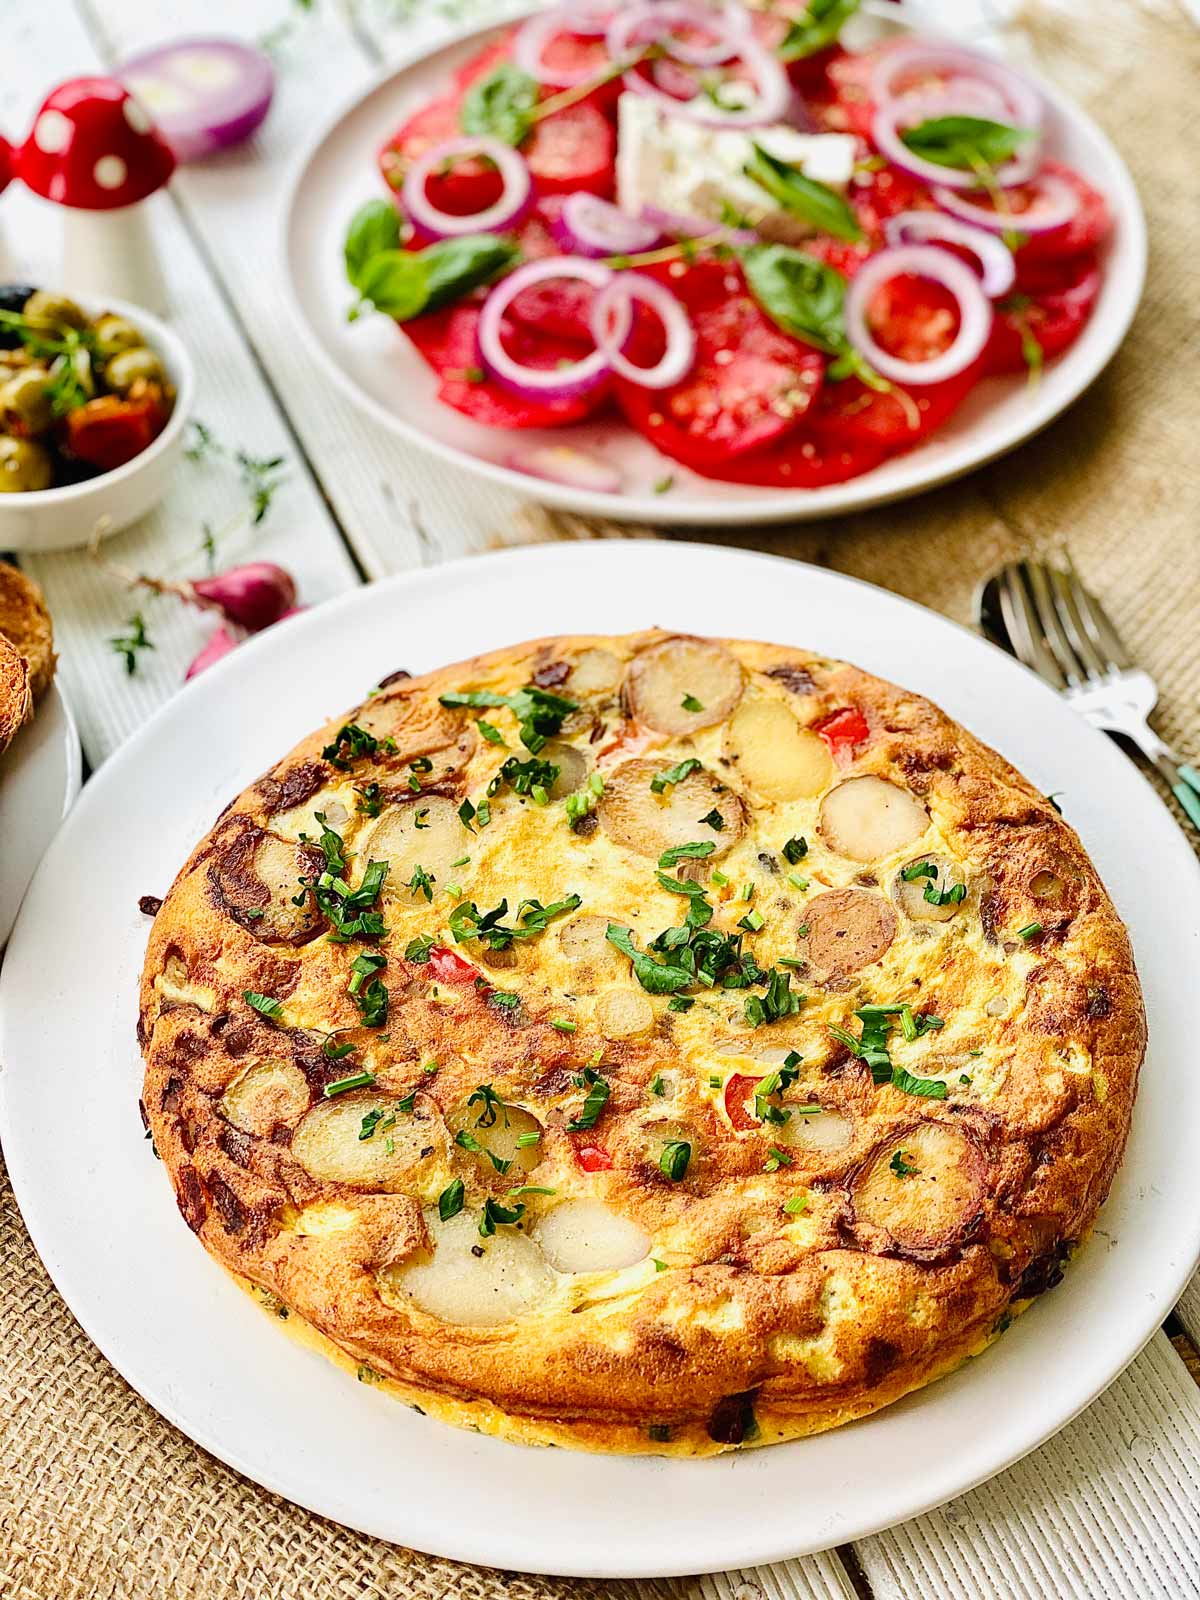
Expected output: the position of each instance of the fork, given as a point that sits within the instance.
(1045, 617)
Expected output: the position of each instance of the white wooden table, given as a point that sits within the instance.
(1108, 1510)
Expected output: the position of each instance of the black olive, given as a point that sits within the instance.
(12, 298)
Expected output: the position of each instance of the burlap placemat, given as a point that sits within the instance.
(100, 1499)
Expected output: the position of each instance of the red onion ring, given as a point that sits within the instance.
(773, 93)
(653, 21)
(993, 255)
(925, 261)
(966, 96)
(617, 297)
(1058, 204)
(540, 383)
(513, 201)
(680, 227)
(1022, 99)
(885, 131)
(589, 226)
(529, 47)
(568, 465)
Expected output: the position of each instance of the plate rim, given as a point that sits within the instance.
(745, 1549)
(762, 506)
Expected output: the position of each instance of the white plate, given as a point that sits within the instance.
(102, 1216)
(39, 779)
(383, 373)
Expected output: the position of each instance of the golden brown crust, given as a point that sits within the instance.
(16, 700)
(25, 623)
(807, 1265)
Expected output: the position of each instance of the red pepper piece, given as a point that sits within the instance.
(844, 730)
(593, 1159)
(448, 967)
(737, 1092)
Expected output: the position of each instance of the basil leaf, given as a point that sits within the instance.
(803, 295)
(396, 283)
(930, 1088)
(373, 228)
(501, 105)
(654, 977)
(803, 197)
(450, 1201)
(453, 267)
(684, 852)
(966, 142)
(816, 29)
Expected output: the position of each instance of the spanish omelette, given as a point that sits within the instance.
(649, 1043)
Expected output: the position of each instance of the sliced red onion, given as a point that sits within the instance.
(514, 197)
(1056, 203)
(924, 261)
(993, 255)
(911, 110)
(589, 226)
(945, 60)
(538, 383)
(529, 47)
(962, 96)
(680, 227)
(568, 465)
(657, 21)
(202, 94)
(772, 92)
(612, 318)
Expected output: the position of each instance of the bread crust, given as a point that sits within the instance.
(25, 623)
(909, 1244)
(16, 698)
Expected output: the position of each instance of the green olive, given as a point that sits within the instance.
(24, 399)
(24, 466)
(54, 310)
(124, 370)
(115, 333)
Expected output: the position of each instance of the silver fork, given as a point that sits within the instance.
(1046, 618)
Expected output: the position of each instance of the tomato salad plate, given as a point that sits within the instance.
(666, 260)
(213, 1361)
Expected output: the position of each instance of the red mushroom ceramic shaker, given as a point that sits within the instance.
(94, 151)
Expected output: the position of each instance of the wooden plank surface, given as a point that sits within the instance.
(1109, 1508)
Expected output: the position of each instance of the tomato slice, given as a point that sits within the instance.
(592, 1157)
(851, 415)
(447, 339)
(750, 384)
(739, 1097)
(802, 461)
(108, 432)
(484, 61)
(575, 148)
(1051, 305)
(839, 98)
(468, 187)
(843, 730)
(1086, 231)
(448, 966)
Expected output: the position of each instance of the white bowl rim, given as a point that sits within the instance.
(165, 342)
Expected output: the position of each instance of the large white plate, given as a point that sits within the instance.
(100, 1209)
(383, 373)
(39, 778)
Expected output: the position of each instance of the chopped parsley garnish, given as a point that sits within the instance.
(776, 1004)
(505, 999)
(872, 1047)
(380, 1121)
(918, 869)
(776, 1158)
(690, 703)
(532, 919)
(332, 1051)
(350, 744)
(686, 852)
(490, 733)
(264, 1005)
(594, 1103)
(1029, 932)
(421, 882)
(713, 820)
(370, 802)
(525, 776)
(497, 1215)
(795, 850)
(673, 1162)
(657, 1086)
(420, 764)
(539, 713)
(359, 1080)
(902, 1166)
(450, 1201)
(373, 1003)
(676, 774)
(418, 820)
(680, 1002)
(331, 843)
(418, 949)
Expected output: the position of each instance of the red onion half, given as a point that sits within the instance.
(589, 226)
(514, 197)
(202, 94)
(540, 383)
(1022, 100)
(924, 227)
(612, 318)
(924, 261)
(1055, 202)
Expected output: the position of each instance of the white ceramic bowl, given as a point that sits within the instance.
(65, 518)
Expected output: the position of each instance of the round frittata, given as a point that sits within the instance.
(649, 1043)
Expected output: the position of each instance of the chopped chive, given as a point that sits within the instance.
(719, 879)
(1030, 931)
(798, 883)
(746, 892)
(563, 1025)
(360, 1080)
(539, 795)
(752, 922)
(797, 1205)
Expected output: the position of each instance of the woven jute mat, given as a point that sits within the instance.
(100, 1499)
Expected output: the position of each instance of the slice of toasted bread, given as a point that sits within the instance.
(25, 623)
(16, 699)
